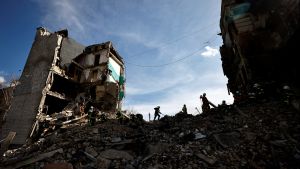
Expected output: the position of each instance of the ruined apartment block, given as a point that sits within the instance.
(260, 43)
(59, 75)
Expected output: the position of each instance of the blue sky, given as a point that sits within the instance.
(170, 47)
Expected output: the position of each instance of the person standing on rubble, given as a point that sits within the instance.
(184, 109)
(120, 117)
(205, 103)
(223, 107)
(157, 112)
(92, 116)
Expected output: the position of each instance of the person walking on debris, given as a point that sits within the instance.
(184, 109)
(92, 116)
(223, 107)
(205, 103)
(156, 113)
(120, 117)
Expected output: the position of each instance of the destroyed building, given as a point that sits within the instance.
(260, 43)
(5, 100)
(59, 75)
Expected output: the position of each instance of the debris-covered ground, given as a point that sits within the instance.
(261, 135)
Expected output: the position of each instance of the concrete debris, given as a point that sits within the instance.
(91, 157)
(112, 154)
(58, 166)
(267, 137)
(209, 160)
(227, 139)
(34, 159)
(199, 136)
(103, 163)
(91, 151)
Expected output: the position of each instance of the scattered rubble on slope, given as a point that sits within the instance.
(264, 135)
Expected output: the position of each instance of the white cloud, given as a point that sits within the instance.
(2, 80)
(210, 52)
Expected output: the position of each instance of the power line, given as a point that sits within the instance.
(165, 64)
(173, 41)
(175, 61)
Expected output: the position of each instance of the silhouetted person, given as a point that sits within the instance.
(184, 109)
(92, 116)
(120, 117)
(205, 103)
(157, 112)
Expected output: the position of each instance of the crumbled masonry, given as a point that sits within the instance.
(265, 135)
(65, 111)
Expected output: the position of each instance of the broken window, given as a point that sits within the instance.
(97, 60)
(55, 104)
(63, 86)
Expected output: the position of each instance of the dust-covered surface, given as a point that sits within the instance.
(253, 135)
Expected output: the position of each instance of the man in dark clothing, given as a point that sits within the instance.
(92, 116)
(120, 117)
(205, 103)
(157, 112)
(184, 109)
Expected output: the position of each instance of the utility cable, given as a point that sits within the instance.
(175, 61)
(171, 42)
(165, 64)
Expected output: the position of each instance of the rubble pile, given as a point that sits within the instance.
(264, 135)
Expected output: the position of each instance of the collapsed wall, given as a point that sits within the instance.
(27, 96)
(259, 43)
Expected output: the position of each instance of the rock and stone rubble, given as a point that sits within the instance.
(261, 135)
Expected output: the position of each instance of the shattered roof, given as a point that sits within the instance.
(105, 45)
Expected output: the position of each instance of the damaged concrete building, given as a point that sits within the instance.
(59, 75)
(5, 100)
(260, 43)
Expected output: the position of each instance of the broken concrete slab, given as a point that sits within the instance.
(34, 159)
(112, 154)
(103, 163)
(227, 139)
(58, 166)
(91, 151)
(210, 160)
